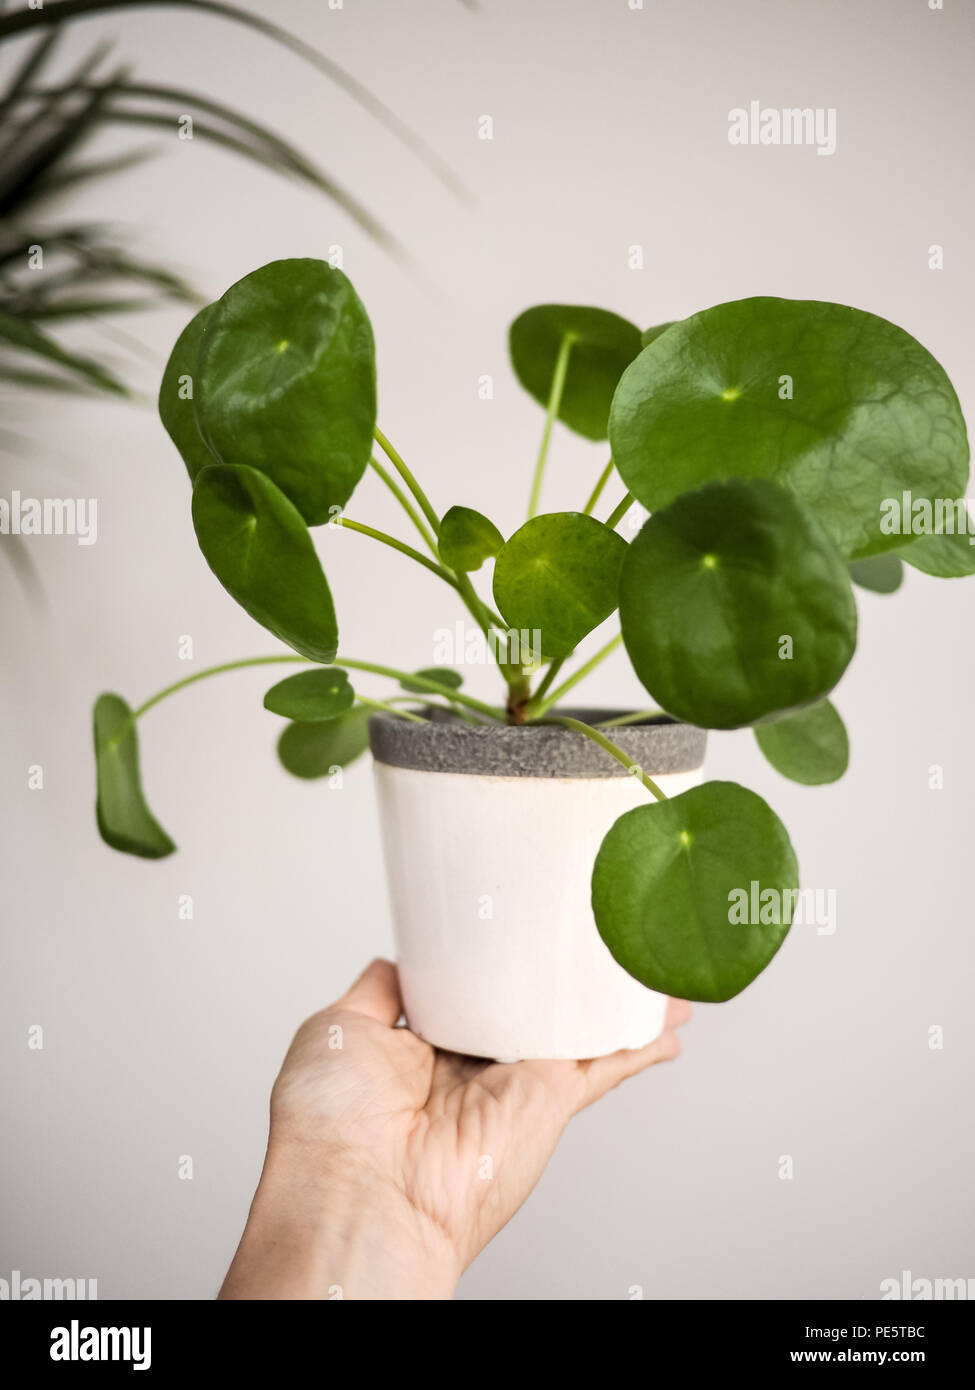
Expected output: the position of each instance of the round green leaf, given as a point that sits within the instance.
(315, 750)
(124, 819)
(258, 546)
(871, 413)
(882, 574)
(287, 382)
(467, 539)
(949, 555)
(694, 896)
(446, 675)
(177, 396)
(603, 345)
(735, 604)
(311, 696)
(559, 575)
(809, 747)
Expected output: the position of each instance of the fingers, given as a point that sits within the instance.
(375, 993)
(603, 1073)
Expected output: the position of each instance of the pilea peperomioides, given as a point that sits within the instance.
(764, 437)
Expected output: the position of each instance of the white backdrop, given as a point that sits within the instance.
(162, 1036)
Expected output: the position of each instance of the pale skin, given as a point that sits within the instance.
(390, 1165)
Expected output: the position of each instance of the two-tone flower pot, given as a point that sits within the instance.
(490, 833)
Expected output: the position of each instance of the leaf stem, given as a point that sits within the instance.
(436, 687)
(612, 750)
(537, 710)
(407, 506)
(633, 718)
(477, 609)
(425, 504)
(619, 512)
(212, 671)
(545, 683)
(391, 709)
(401, 546)
(597, 491)
(554, 401)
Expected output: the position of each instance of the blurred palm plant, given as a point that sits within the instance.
(87, 271)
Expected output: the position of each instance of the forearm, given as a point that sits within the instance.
(314, 1236)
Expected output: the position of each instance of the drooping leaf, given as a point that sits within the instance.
(446, 675)
(842, 407)
(258, 546)
(312, 696)
(31, 64)
(694, 895)
(42, 311)
(882, 574)
(50, 137)
(124, 819)
(26, 338)
(950, 555)
(603, 345)
(467, 539)
(559, 575)
(54, 11)
(177, 393)
(315, 750)
(809, 747)
(735, 604)
(287, 382)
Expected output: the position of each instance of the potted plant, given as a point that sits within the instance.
(556, 872)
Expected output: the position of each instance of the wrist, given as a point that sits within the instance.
(322, 1227)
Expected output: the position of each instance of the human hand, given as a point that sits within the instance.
(391, 1164)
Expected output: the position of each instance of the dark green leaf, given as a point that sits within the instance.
(26, 338)
(444, 674)
(54, 12)
(58, 178)
(467, 539)
(259, 548)
(87, 308)
(559, 575)
(316, 750)
(809, 747)
(312, 696)
(650, 335)
(287, 382)
(50, 138)
(31, 64)
(882, 574)
(124, 820)
(694, 896)
(735, 604)
(603, 345)
(872, 414)
(177, 393)
(950, 555)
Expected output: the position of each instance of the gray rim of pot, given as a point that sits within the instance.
(448, 744)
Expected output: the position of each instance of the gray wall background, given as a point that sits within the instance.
(162, 1036)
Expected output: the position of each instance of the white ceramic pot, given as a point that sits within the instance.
(490, 834)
